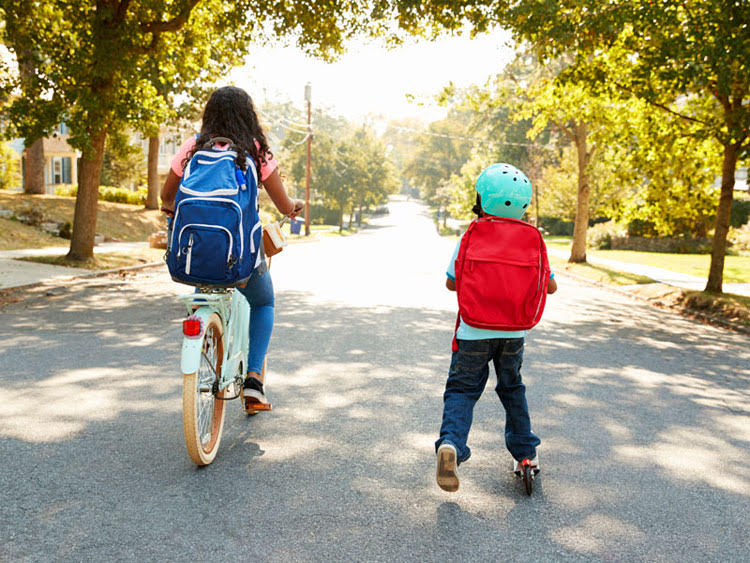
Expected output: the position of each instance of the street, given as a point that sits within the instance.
(643, 417)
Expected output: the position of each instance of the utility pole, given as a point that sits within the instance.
(308, 98)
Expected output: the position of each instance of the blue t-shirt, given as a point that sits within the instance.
(466, 332)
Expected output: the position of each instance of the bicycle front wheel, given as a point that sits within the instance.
(202, 409)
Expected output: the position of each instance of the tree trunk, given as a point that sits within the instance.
(351, 218)
(152, 198)
(723, 213)
(84, 219)
(341, 218)
(359, 217)
(34, 183)
(578, 250)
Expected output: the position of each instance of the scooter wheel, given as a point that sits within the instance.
(528, 478)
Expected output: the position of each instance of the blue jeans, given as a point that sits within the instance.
(466, 381)
(259, 294)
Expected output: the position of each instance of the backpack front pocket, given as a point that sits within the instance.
(206, 249)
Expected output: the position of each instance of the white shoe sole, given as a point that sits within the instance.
(256, 396)
(447, 475)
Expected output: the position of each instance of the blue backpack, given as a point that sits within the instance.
(215, 235)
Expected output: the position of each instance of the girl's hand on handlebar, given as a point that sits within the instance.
(299, 205)
(167, 211)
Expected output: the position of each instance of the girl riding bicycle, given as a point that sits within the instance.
(230, 113)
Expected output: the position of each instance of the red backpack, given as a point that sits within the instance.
(502, 272)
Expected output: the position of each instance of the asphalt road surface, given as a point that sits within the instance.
(643, 417)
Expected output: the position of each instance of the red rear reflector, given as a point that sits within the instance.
(191, 327)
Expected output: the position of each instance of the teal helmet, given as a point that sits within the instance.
(505, 191)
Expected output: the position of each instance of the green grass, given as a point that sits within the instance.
(736, 268)
(596, 273)
(103, 261)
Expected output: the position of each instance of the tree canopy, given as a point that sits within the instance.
(690, 59)
(93, 64)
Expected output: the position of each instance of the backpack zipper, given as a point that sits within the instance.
(189, 255)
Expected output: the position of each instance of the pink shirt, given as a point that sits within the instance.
(266, 168)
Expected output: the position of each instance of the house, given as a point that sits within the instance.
(60, 159)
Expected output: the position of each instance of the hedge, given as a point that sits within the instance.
(109, 193)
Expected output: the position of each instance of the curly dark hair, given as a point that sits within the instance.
(230, 113)
(477, 209)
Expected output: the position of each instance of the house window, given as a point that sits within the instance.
(57, 170)
(60, 170)
(66, 170)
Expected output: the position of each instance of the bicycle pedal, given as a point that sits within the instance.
(253, 407)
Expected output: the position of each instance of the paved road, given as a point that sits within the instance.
(643, 417)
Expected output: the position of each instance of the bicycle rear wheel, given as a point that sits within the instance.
(202, 411)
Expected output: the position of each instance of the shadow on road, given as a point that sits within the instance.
(643, 422)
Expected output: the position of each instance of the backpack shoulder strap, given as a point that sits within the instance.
(458, 271)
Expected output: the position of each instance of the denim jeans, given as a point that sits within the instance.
(259, 294)
(467, 378)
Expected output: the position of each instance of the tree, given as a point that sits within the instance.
(9, 173)
(689, 59)
(495, 117)
(31, 85)
(441, 152)
(369, 171)
(95, 54)
(400, 137)
(122, 165)
(668, 176)
(581, 117)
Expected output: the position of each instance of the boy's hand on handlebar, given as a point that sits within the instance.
(167, 211)
(299, 205)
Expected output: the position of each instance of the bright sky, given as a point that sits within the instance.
(371, 80)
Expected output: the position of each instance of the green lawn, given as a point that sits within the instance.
(596, 273)
(736, 268)
(103, 261)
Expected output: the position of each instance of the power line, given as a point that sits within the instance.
(464, 138)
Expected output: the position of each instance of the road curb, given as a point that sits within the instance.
(685, 311)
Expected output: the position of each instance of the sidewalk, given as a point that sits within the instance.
(661, 275)
(16, 273)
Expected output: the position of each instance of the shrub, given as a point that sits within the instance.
(740, 239)
(66, 231)
(740, 212)
(557, 227)
(66, 190)
(10, 175)
(600, 235)
(109, 193)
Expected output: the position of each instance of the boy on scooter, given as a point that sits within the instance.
(503, 195)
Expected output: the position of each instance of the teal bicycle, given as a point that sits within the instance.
(214, 352)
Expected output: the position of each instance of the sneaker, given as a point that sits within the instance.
(534, 466)
(253, 397)
(447, 467)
